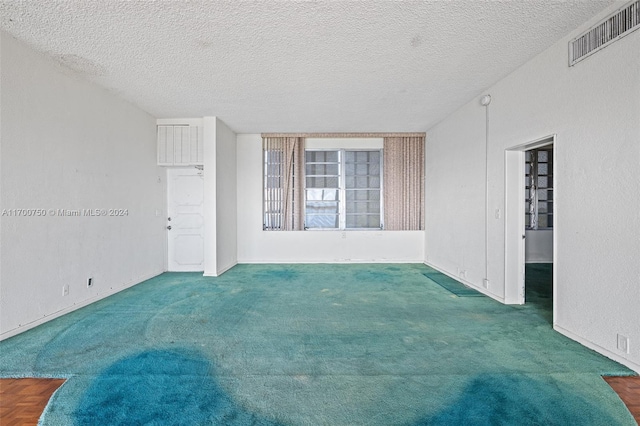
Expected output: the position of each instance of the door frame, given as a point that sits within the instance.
(514, 226)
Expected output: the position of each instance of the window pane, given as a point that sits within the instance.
(322, 221)
(323, 169)
(321, 156)
(542, 194)
(322, 182)
(349, 169)
(273, 182)
(542, 221)
(374, 168)
(362, 182)
(273, 169)
(356, 204)
(273, 156)
(542, 181)
(543, 156)
(542, 168)
(362, 207)
(363, 195)
(363, 221)
(322, 207)
(322, 195)
(362, 169)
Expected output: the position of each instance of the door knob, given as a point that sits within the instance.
(169, 227)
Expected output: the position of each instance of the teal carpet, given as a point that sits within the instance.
(313, 345)
(452, 285)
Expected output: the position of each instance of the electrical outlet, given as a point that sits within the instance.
(623, 343)
(65, 290)
(89, 282)
(344, 235)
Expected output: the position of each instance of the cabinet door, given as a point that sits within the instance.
(197, 156)
(181, 145)
(165, 145)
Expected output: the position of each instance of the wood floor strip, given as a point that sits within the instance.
(22, 401)
(628, 389)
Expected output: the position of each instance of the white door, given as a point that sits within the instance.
(185, 224)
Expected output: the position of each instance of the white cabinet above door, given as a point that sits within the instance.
(180, 145)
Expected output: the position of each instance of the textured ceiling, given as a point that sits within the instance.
(366, 66)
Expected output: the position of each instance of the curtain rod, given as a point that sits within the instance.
(343, 135)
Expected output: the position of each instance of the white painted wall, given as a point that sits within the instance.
(258, 246)
(226, 198)
(68, 144)
(594, 108)
(455, 196)
(220, 194)
(210, 199)
(539, 246)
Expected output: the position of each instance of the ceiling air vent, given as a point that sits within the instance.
(618, 25)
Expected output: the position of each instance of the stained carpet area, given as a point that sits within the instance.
(452, 285)
(312, 345)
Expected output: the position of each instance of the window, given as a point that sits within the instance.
(343, 189)
(283, 176)
(273, 177)
(327, 181)
(539, 188)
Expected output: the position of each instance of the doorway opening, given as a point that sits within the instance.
(538, 211)
(530, 223)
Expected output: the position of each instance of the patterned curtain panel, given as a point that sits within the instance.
(404, 183)
(283, 183)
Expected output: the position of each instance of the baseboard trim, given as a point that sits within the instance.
(602, 351)
(48, 317)
(467, 283)
(226, 268)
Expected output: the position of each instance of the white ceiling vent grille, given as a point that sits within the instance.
(618, 25)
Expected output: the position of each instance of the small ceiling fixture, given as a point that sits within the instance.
(485, 100)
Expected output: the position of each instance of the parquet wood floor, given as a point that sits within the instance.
(23, 400)
(628, 389)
